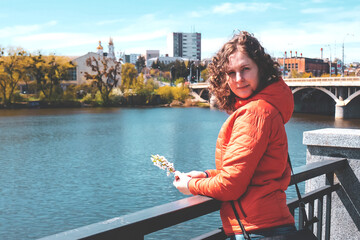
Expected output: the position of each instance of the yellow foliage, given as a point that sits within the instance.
(128, 76)
(168, 94)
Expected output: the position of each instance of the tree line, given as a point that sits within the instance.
(46, 79)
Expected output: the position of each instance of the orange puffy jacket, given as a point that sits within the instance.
(251, 162)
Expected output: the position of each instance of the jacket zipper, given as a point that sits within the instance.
(241, 209)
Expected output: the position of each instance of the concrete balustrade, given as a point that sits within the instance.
(345, 205)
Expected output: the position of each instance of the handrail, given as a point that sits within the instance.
(311, 170)
(153, 219)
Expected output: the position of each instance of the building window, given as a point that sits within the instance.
(296, 65)
(71, 74)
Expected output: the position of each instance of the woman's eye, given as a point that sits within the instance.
(230, 73)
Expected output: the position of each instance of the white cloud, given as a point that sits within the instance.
(53, 41)
(309, 37)
(227, 8)
(143, 36)
(24, 29)
(197, 14)
(209, 46)
(63, 41)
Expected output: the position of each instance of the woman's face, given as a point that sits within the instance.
(242, 75)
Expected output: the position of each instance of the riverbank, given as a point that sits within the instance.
(77, 104)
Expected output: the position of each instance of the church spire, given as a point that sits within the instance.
(100, 49)
(111, 49)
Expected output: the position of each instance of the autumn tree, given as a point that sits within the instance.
(205, 74)
(48, 72)
(12, 71)
(37, 69)
(128, 77)
(105, 75)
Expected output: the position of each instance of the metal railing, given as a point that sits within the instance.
(138, 224)
(314, 81)
(324, 81)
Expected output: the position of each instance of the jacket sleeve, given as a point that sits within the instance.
(248, 142)
(212, 172)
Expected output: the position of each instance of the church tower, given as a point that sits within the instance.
(111, 49)
(100, 49)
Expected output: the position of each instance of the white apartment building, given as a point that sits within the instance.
(134, 57)
(186, 45)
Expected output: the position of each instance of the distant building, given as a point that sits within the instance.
(134, 57)
(166, 60)
(186, 45)
(77, 74)
(111, 50)
(301, 64)
(110, 54)
(151, 54)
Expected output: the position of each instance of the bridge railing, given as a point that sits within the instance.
(323, 81)
(138, 224)
(314, 81)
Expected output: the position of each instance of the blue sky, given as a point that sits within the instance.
(74, 27)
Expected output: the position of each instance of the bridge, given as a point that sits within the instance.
(342, 90)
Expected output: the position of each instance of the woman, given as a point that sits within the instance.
(251, 149)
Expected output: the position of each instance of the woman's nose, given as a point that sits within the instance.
(239, 77)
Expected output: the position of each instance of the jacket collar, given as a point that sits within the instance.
(277, 94)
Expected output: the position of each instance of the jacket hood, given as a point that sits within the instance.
(277, 94)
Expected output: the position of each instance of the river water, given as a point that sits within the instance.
(65, 168)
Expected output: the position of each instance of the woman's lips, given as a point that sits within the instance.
(241, 87)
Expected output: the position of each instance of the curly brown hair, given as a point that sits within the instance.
(246, 43)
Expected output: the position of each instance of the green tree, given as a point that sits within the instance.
(155, 64)
(48, 72)
(168, 94)
(128, 77)
(140, 64)
(12, 71)
(37, 70)
(106, 75)
(205, 74)
(145, 89)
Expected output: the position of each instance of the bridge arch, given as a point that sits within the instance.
(332, 95)
(351, 97)
(329, 93)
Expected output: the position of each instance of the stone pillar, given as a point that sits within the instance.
(339, 111)
(337, 142)
(213, 101)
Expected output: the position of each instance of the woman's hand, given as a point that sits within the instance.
(181, 182)
(196, 174)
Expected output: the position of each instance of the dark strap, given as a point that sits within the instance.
(246, 235)
(296, 186)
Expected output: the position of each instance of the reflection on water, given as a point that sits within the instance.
(66, 168)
